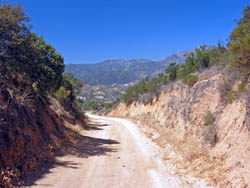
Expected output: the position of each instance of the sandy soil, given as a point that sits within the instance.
(116, 154)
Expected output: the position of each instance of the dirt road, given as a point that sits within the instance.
(115, 155)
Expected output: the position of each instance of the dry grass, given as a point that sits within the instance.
(25, 98)
(195, 160)
(189, 158)
(208, 73)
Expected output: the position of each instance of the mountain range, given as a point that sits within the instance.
(121, 71)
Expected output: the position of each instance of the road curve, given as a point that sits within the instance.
(121, 157)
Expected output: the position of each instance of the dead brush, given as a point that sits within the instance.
(191, 158)
(208, 73)
(24, 98)
(188, 149)
(226, 86)
(197, 161)
(9, 178)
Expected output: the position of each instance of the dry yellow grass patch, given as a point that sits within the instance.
(190, 158)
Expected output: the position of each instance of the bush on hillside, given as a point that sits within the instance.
(108, 106)
(61, 94)
(209, 131)
(225, 87)
(190, 79)
(144, 91)
(74, 82)
(208, 118)
(242, 86)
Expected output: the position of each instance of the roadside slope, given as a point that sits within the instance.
(202, 130)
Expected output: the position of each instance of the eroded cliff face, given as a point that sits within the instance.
(200, 134)
(31, 131)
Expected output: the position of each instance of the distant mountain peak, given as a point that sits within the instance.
(141, 60)
(120, 71)
(178, 54)
(113, 61)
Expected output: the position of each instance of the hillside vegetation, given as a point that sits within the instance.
(203, 58)
(36, 99)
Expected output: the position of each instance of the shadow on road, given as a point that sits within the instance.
(82, 147)
(88, 146)
(94, 126)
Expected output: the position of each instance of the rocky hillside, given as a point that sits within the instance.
(203, 130)
(121, 71)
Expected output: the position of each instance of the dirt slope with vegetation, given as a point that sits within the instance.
(200, 134)
(37, 109)
(198, 112)
(31, 131)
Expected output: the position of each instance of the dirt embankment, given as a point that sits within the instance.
(30, 132)
(200, 133)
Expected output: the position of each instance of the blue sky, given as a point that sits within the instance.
(89, 31)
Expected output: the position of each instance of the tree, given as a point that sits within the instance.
(72, 84)
(203, 57)
(76, 83)
(219, 55)
(48, 67)
(191, 65)
(172, 71)
(23, 52)
(239, 43)
(13, 31)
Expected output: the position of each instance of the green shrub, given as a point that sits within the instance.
(62, 93)
(238, 164)
(76, 84)
(190, 79)
(231, 96)
(127, 114)
(242, 86)
(92, 105)
(149, 87)
(209, 118)
(109, 105)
